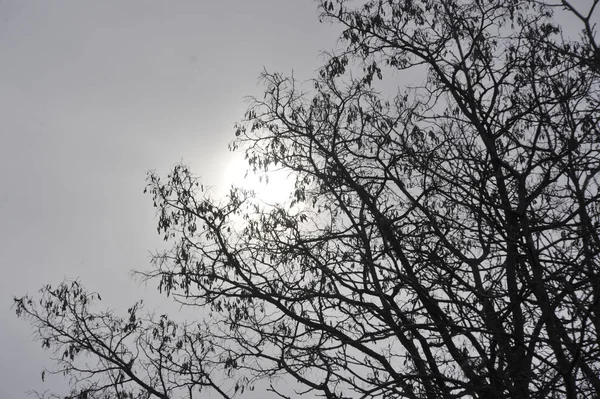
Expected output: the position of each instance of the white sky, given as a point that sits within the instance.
(94, 94)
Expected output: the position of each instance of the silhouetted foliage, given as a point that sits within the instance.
(440, 243)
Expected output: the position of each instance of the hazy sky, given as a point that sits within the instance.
(93, 94)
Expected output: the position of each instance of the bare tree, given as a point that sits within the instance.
(442, 243)
(107, 356)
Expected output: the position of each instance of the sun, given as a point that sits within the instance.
(276, 188)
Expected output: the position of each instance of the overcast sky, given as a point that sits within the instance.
(93, 94)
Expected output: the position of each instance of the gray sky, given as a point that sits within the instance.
(94, 94)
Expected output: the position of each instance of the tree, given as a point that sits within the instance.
(440, 243)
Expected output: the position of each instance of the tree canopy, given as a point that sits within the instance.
(441, 241)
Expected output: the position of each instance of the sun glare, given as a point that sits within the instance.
(275, 189)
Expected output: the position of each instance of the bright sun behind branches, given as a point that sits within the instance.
(274, 187)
